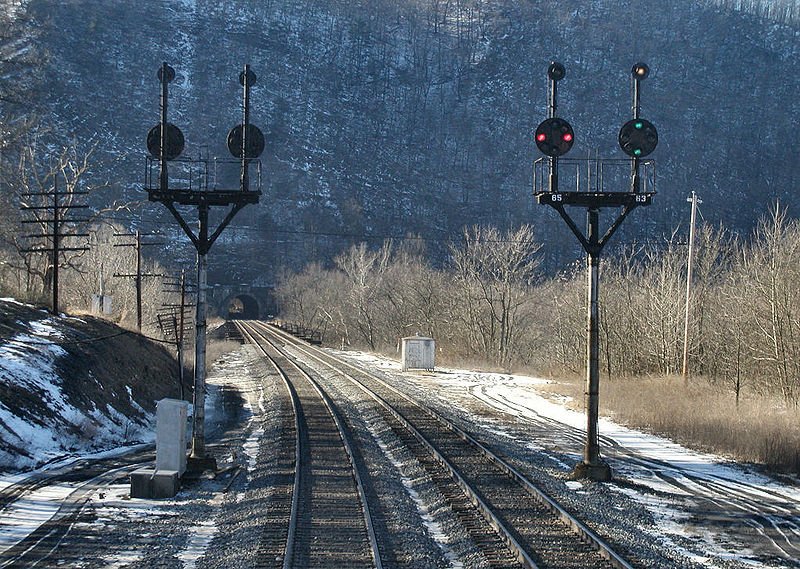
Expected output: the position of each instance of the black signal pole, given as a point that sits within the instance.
(165, 142)
(637, 138)
(591, 454)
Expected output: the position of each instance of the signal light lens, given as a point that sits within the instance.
(554, 136)
(640, 71)
(556, 71)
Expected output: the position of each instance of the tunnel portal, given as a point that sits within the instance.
(243, 307)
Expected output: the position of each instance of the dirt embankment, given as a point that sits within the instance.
(70, 385)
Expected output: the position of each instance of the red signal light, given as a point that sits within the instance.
(554, 136)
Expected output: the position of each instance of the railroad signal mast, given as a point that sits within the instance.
(554, 137)
(165, 142)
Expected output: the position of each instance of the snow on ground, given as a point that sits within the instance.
(434, 529)
(27, 361)
(31, 511)
(201, 535)
(517, 396)
(232, 369)
(23, 516)
(514, 395)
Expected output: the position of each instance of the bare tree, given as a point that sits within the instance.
(772, 266)
(33, 181)
(494, 272)
(364, 270)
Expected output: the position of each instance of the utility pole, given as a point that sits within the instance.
(58, 219)
(180, 328)
(56, 244)
(173, 322)
(138, 275)
(554, 137)
(694, 200)
(165, 143)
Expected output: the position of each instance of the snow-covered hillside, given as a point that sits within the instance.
(73, 385)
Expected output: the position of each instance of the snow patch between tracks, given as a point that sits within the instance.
(434, 529)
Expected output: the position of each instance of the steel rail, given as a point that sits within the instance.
(289, 545)
(603, 547)
(80, 470)
(503, 533)
(40, 544)
(331, 408)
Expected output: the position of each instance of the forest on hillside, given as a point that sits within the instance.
(397, 176)
(388, 120)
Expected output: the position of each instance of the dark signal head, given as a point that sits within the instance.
(554, 137)
(173, 142)
(556, 71)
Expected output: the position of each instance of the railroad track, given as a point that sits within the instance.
(87, 477)
(510, 521)
(81, 471)
(322, 518)
(726, 502)
(57, 539)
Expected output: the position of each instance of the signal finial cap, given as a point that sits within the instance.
(556, 71)
(640, 71)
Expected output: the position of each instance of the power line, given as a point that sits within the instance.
(448, 238)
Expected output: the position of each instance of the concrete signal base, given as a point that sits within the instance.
(599, 472)
(163, 481)
(150, 483)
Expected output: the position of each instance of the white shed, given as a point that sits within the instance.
(417, 353)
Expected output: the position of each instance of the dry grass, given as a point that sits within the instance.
(215, 349)
(760, 430)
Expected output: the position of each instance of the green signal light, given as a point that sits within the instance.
(638, 138)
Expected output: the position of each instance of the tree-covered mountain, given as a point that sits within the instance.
(392, 118)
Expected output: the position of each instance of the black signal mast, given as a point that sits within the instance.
(555, 137)
(165, 143)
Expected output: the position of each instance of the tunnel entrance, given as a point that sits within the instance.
(243, 307)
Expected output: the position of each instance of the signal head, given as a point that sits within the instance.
(638, 138)
(255, 141)
(166, 73)
(173, 142)
(249, 75)
(554, 137)
(556, 71)
(640, 71)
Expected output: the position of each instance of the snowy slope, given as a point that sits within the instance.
(60, 392)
